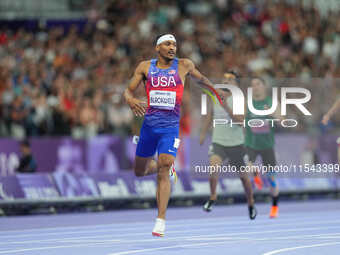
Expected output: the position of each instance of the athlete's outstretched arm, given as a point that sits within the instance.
(331, 112)
(136, 105)
(202, 80)
(192, 70)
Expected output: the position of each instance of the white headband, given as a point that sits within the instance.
(167, 37)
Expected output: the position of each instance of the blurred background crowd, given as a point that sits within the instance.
(69, 79)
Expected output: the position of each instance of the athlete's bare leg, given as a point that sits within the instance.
(145, 166)
(247, 188)
(215, 160)
(163, 183)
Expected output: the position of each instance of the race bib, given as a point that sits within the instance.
(163, 99)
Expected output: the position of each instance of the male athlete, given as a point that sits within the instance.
(227, 143)
(260, 140)
(164, 80)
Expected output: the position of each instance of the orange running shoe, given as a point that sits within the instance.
(274, 211)
(258, 182)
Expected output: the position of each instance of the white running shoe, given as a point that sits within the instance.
(159, 228)
(172, 173)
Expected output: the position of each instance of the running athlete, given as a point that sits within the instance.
(227, 143)
(260, 140)
(163, 80)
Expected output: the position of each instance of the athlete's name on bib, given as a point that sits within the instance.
(163, 99)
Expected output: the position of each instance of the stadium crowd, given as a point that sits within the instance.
(69, 80)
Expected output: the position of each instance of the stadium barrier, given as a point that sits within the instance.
(98, 173)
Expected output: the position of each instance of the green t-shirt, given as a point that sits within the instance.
(259, 136)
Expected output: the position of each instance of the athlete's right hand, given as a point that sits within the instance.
(137, 106)
(325, 119)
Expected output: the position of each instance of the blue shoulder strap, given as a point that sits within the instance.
(152, 66)
(153, 63)
(175, 63)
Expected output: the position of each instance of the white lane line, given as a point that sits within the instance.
(166, 239)
(300, 247)
(104, 227)
(235, 233)
(179, 221)
(320, 236)
(180, 225)
(171, 231)
(168, 247)
(269, 231)
(45, 248)
(330, 237)
(300, 237)
(204, 244)
(286, 216)
(87, 245)
(182, 231)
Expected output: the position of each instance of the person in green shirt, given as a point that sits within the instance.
(259, 139)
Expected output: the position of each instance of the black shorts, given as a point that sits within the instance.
(267, 156)
(235, 154)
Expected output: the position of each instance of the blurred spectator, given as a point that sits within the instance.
(120, 116)
(18, 114)
(89, 120)
(49, 75)
(41, 116)
(27, 162)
